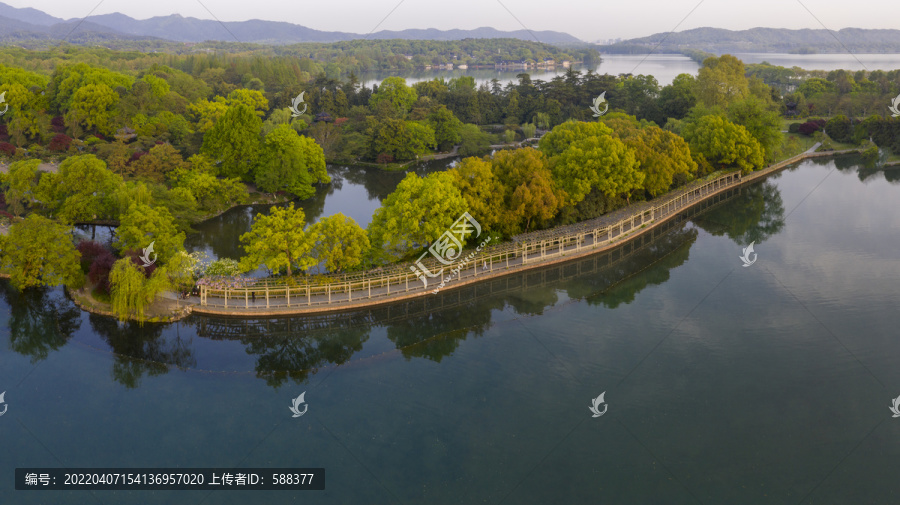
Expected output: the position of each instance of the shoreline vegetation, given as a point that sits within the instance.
(168, 310)
(154, 143)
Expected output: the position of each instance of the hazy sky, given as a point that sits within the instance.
(586, 19)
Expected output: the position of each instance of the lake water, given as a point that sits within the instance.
(356, 192)
(665, 67)
(723, 383)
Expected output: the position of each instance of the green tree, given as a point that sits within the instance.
(93, 106)
(446, 127)
(82, 190)
(662, 156)
(395, 92)
(763, 123)
(721, 81)
(206, 113)
(473, 140)
(676, 99)
(252, 98)
(815, 86)
(143, 224)
(341, 244)
(279, 241)
(400, 139)
(528, 130)
(585, 156)
(724, 143)
(290, 162)
(39, 252)
(531, 196)
(233, 142)
(22, 181)
(838, 128)
(159, 161)
(481, 189)
(131, 291)
(417, 213)
(211, 193)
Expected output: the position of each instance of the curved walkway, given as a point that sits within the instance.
(399, 282)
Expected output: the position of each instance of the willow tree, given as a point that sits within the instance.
(131, 291)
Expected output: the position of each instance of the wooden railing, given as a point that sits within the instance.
(614, 258)
(400, 280)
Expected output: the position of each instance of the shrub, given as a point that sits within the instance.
(223, 267)
(809, 127)
(794, 128)
(100, 268)
(7, 149)
(384, 158)
(60, 142)
(58, 124)
(90, 250)
(840, 128)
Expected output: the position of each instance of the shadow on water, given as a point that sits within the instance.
(433, 327)
(293, 348)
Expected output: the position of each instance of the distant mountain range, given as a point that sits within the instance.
(21, 24)
(766, 40)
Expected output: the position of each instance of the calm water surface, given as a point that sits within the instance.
(724, 384)
(665, 67)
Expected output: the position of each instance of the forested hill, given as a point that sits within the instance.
(28, 24)
(766, 40)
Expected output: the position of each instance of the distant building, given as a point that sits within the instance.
(323, 117)
(125, 134)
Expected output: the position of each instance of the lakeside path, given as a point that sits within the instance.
(526, 252)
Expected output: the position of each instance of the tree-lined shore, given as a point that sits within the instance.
(156, 149)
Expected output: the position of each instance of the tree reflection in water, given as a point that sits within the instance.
(141, 349)
(40, 320)
(756, 215)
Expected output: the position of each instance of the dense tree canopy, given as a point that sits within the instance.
(585, 156)
(39, 252)
(279, 242)
(341, 243)
(291, 163)
(419, 211)
(724, 143)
